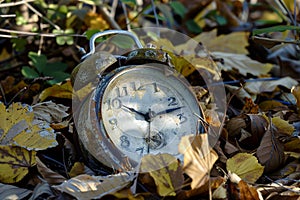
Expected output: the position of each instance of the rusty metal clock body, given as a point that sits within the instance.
(141, 105)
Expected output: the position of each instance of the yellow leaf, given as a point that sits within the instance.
(95, 21)
(18, 127)
(245, 166)
(165, 171)
(59, 91)
(15, 162)
(283, 126)
(77, 169)
(223, 43)
(199, 158)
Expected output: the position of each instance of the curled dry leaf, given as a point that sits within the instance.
(165, 171)
(50, 111)
(242, 63)
(245, 166)
(199, 158)
(296, 93)
(15, 163)
(241, 190)
(94, 187)
(18, 127)
(49, 175)
(270, 152)
(10, 191)
(248, 129)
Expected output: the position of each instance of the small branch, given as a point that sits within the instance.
(24, 33)
(8, 15)
(5, 5)
(276, 40)
(110, 20)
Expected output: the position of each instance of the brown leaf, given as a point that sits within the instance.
(241, 190)
(296, 93)
(199, 158)
(50, 111)
(270, 152)
(50, 176)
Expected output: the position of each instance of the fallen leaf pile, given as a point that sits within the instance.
(249, 150)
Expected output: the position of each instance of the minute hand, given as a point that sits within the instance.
(168, 110)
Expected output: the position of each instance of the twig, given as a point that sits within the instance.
(276, 40)
(109, 18)
(8, 15)
(5, 5)
(126, 16)
(38, 34)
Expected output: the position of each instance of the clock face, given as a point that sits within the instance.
(147, 109)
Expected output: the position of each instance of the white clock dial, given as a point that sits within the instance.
(147, 109)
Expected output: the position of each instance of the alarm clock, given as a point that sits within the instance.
(138, 105)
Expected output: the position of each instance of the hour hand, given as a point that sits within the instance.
(144, 115)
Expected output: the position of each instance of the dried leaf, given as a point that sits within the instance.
(165, 171)
(283, 126)
(18, 127)
(293, 145)
(199, 158)
(94, 187)
(50, 176)
(258, 87)
(270, 152)
(15, 163)
(223, 43)
(245, 166)
(243, 64)
(50, 111)
(13, 192)
(64, 91)
(242, 191)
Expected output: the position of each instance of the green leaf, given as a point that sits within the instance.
(193, 26)
(29, 72)
(58, 77)
(279, 28)
(178, 8)
(38, 61)
(53, 67)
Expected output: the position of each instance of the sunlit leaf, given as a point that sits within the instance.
(15, 163)
(165, 171)
(64, 90)
(199, 158)
(243, 64)
(223, 43)
(18, 127)
(246, 166)
(283, 126)
(94, 187)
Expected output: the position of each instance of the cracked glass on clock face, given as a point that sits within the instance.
(147, 109)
